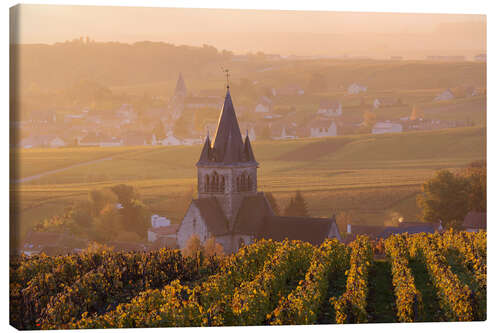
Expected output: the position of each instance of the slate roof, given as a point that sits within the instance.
(228, 147)
(213, 215)
(251, 213)
(410, 229)
(52, 243)
(475, 220)
(307, 229)
(164, 231)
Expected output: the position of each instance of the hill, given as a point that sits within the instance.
(372, 176)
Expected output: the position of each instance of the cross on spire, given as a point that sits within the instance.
(227, 77)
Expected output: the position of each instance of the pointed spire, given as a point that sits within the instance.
(206, 151)
(180, 87)
(228, 134)
(249, 156)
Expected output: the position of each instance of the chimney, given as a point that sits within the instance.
(348, 229)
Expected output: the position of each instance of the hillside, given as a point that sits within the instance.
(371, 175)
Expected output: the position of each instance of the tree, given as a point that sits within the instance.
(297, 206)
(159, 131)
(369, 119)
(193, 246)
(211, 248)
(416, 113)
(445, 197)
(125, 193)
(272, 202)
(475, 174)
(107, 225)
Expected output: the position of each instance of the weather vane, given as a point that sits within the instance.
(227, 76)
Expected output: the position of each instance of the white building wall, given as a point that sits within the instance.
(324, 132)
(191, 224)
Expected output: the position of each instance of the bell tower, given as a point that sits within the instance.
(227, 169)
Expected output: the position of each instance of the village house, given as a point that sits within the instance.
(264, 105)
(475, 221)
(229, 206)
(51, 243)
(387, 127)
(162, 232)
(42, 140)
(321, 127)
(385, 102)
(330, 108)
(355, 89)
(445, 96)
(97, 139)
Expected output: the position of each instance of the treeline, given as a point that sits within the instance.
(110, 63)
(109, 214)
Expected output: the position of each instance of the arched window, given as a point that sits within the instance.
(207, 183)
(223, 184)
(238, 185)
(249, 183)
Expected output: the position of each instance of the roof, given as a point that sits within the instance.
(360, 229)
(251, 213)
(320, 123)
(44, 241)
(475, 220)
(414, 228)
(213, 215)
(168, 230)
(307, 229)
(227, 147)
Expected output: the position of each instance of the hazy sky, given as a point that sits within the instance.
(56, 23)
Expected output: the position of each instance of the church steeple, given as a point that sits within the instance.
(180, 87)
(228, 147)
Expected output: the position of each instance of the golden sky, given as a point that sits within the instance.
(225, 29)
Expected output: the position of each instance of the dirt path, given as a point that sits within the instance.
(46, 173)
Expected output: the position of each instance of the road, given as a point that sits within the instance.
(46, 173)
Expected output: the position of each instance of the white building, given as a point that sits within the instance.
(322, 128)
(355, 89)
(330, 108)
(445, 96)
(387, 127)
(170, 140)
(264, 105)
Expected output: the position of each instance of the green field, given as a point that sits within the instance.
(372, 176)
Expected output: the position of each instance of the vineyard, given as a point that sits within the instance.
(417, 278)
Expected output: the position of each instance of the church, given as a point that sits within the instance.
(229, 206)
